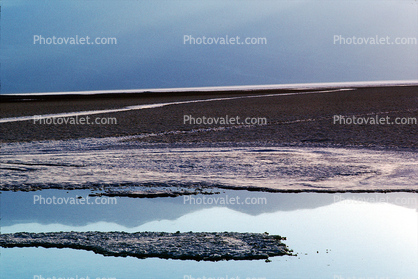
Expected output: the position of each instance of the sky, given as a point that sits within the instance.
(299, 43)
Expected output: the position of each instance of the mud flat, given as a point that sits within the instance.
(300, 148)
(295, 117)
(204, 246)
(128, 168)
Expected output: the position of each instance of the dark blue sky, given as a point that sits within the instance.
(150, 52)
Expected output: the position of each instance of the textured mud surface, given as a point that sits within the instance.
(185, 246)
(127, 168)
(305, 119)
(300, 148)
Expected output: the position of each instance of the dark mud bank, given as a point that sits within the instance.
(204, 246)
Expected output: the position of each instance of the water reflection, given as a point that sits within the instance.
(345, 238)
(25, 207)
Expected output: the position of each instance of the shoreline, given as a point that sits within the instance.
(220, 89)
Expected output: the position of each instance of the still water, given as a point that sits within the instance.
(334, 235)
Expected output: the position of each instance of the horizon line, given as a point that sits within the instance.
(315, 85)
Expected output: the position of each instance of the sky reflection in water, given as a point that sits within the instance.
(349, 237)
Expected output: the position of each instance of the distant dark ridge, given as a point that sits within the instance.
(5, 98)
(119, 94)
